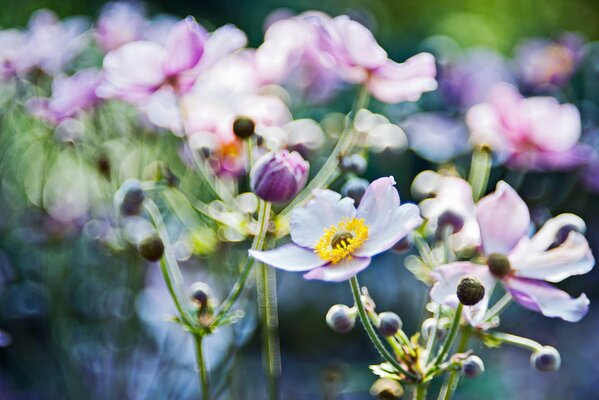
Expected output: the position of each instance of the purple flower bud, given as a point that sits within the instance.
(340, 318)
(130, 197)
(546, 359)
(389, 323)
(355, 189)
(279, 176)
(473, 366)
(449, 219)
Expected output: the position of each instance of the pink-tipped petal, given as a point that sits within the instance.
(356, 43)
(394, 82)
(326, 209)
(339, 272)
(542, 297)
(184, 46)
(573, 257)
(289, 257)
(503, 218)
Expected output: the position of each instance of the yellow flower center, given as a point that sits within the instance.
(341, 240)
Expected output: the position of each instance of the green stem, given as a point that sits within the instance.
(355, 287)
(430, 343)
(267, 296)
(327, 173)
(451, 383)
(202, 370)
(420, 393)
(450, 336)
(498, 307)
(480, 169)
(514, 340)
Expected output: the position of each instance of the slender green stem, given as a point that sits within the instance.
(202, 370)
(514, 340)
(420, 393)
(269, 318)
(432, 337)
(451, 335)
(327, 173)
(355, 287)
(480, 169)
(451, 383)
(499, 307)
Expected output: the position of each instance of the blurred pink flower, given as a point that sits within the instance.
(333, 241)
(527, 133)
(119, 24)
(523, 265)
(11, 44)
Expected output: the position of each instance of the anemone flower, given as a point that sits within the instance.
(524, 265)
(333, 240)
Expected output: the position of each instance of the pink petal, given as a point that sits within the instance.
(503, 218)
(573, 257)
(544, 298)
(184, 46)
(356, 43)
(222, 42)
(339, 272)
(325, 210)
(394, 82)
(289, 257)
(379, 199)
(553, 126)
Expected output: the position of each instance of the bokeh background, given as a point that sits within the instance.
(81, 321)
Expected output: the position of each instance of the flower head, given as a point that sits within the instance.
(333, 241)
(119, 24)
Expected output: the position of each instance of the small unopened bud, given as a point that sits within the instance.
(473, 367)
(130, 197)
(404, 244)
(499, 265)
(470, 290)
(386, 389)
(355, 189)
(389, 323)
(103, 165)
(200, 293)
(546, 359)
(562, 234)
(151, 248)
(279, 176)
(449, 220)
(340, 318)
(243, 127)
(429, 325)
(355, 163)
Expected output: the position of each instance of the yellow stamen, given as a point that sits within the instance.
(341, 240)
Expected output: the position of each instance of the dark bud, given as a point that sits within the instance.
(103, 164)
(340, 318)
(200, 294)
(389, 323)
(499, 265)
(130, 196)
(404, 244)
(449, 219)
(386, 389)
(243, 127)
(562, 234)
(151, 248)
(470, 291)
(546, 359)
(355, 189)
(354, 163)
(472, 367)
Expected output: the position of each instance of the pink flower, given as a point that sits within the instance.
(524, 265)
(333, 241)
(531, 133)
(360, 59)
(119, 24)
(11, 44)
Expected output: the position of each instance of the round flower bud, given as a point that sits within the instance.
(279, 176)
(562, 234)
(151, 248)
(355, 189)
(340, 318)
(200, 293)
(499, 265)
(472, 367)
(243, 127)
(386, 389)
(130, 197)
(470, 290)
(546, 359)
(389, 323)
(449, 219)
(355, 163)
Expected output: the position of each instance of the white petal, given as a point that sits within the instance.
(289, 257)
(339, 272)
(326, 209)
(546, 236)
(378, 201)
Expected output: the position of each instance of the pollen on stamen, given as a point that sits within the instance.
(339, 241)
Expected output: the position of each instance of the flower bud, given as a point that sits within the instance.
(151, 248)
(386, 389)
(355, 189)
(499, 265)
(340, 318)
(449, 219)
(130, 197)
(200, 293)
(279, 176)
(355, 163)
(562, 234)
(389, 323)
(470, 290)
(472, 367)
(243, 127)
(546, 359)
(103, 164)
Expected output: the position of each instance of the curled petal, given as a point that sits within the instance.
(289, 257)
(327, 208)
(542, 297)
(573, 257)
(546, 236)
(503, 218)
(339, 272)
